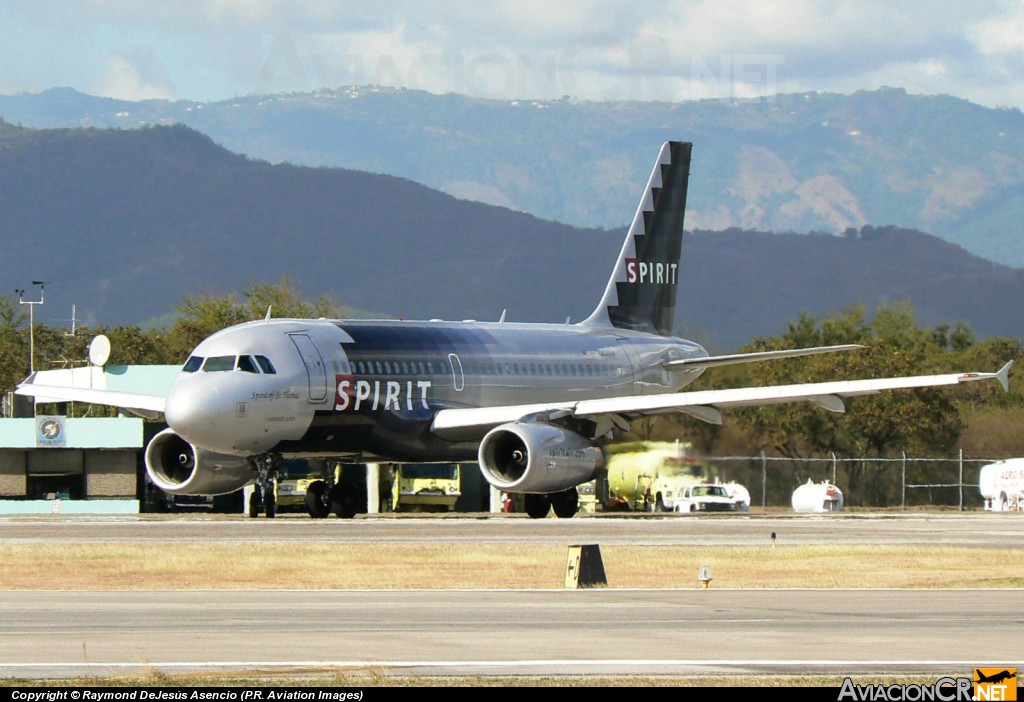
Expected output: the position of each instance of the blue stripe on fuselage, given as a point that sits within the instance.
(409, 336)
(502, 364)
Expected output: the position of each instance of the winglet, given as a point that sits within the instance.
(1003, 375)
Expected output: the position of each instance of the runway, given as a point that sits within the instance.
(975, 529)
(552, 632)
(604, 631)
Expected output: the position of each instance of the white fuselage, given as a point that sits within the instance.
(325, 387)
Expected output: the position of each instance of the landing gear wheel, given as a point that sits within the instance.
(254, 504)
(537, 506)
(344, 501)
(316, 500)
(270, 505)
(566, 503)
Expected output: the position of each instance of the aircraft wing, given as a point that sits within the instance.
(729, 359)
(137, 403)
(706, 404)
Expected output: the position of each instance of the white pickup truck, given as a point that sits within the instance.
(704, 498)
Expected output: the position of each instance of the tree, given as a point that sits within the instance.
(201, 316)
(921, 421)
(13, 343)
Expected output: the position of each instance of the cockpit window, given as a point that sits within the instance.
(216, 364)
(245, 363)
(265, 364)
(193, 364)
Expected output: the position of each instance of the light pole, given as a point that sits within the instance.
(32, 320)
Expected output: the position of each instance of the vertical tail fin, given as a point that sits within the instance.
(641, 292)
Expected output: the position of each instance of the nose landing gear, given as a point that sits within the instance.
(264, 496)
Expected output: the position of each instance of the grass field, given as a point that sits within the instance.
(286, 565)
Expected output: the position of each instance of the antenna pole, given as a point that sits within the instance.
(32, 320)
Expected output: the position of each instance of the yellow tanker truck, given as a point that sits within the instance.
(647, 476)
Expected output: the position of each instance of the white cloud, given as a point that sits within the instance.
(125, 80)
(597, 49)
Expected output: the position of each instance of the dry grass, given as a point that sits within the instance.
(270, 565)
(315, 679)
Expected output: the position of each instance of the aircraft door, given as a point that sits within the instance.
(630, 364)
(316, 370)
(458, 378)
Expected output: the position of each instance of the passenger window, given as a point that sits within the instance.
(265, 365)
(245, 363)
(193, 364)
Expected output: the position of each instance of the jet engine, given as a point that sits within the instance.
(179, 468)
(533, 457)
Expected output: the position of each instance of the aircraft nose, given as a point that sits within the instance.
(196, 417)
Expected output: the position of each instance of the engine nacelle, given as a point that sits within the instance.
(179, 468)
(537, 458)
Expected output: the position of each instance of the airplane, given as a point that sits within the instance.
(532, 403)
(996, 678)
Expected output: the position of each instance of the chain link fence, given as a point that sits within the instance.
(905, 481)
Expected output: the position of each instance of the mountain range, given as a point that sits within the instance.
(811, 162)
(123, 223)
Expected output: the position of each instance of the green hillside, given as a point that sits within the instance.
(124, 223)
(804, 163)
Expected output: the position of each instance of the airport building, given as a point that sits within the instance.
(57, 463)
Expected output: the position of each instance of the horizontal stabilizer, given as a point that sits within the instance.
(754, 357)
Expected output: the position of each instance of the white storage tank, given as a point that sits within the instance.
(817, 498)
(740, 494)
(1002, 485)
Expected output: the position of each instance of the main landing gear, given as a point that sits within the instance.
(565, 503)
(322, 499)
(333, 495)
(317, 503)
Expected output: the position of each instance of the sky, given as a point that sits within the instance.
(210, 50)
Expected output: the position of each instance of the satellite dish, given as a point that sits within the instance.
(99, 350)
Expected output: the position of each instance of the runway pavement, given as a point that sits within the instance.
(571, 632)
(981, 529)
(552, 632)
